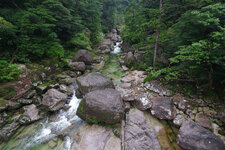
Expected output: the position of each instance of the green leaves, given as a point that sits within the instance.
(8, 71)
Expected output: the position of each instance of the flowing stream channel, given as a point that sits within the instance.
(43, 135)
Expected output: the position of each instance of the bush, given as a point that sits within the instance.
(8, 71)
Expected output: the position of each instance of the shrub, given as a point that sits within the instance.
(8, 71)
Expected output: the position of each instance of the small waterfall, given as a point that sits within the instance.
(117, 48)
(47, 130)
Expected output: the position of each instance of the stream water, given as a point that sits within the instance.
(43, 135)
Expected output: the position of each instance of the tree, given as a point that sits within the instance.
(157, 33)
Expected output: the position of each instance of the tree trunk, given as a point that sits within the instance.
(157, 33)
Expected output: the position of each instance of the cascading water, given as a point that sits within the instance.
(117, 48)
(47, 130)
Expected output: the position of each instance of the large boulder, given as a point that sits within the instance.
(138, 134)
(194, 137)
(102, 106)
(54, 100)
(95, 137)
(154, 86)
(106, 44)
(163, 108)
(78, 66)
(142, 102)
(31, 114)
(93, 81)
(83, 56)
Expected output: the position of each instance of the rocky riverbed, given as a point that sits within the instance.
(101, 104)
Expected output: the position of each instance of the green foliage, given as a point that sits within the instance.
(33, 30)
(80, 41)
(138, 65)
(8, 71)
(191, 38)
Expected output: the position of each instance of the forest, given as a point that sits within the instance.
(112, 75)
(185, 38)
(182, 40)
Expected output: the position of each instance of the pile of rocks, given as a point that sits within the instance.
(35, 96)
(157, 100)
(107, 45)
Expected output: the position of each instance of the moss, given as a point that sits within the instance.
(94, 54)
(2, 102)
(93, 120)
(10, 120)
(116, 133)
(21, 116)
(46, 84)
(222, 132)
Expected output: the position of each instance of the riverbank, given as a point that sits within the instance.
(150, 115)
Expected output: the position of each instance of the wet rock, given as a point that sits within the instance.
(142, 102)
(54, 100)
(129, 58)
(102, 106)
(203, 120)
(193, 137)
(138, 134)
(163, 108)
(31, 114)
(78, 66)
(8, 130)
(93, 81)
(157, 88)
(83, 56)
